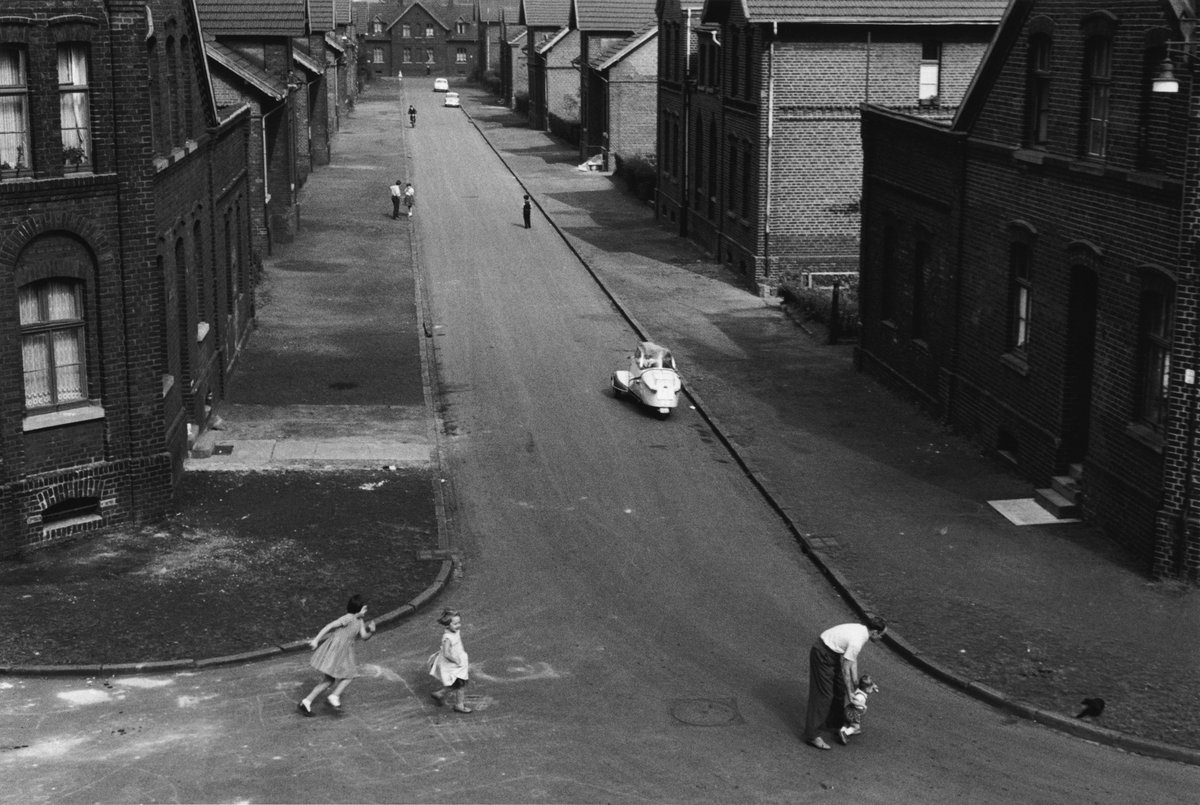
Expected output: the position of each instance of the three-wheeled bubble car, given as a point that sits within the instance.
(652, 378)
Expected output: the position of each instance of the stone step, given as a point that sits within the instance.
(1066, 486)
(1056, 504)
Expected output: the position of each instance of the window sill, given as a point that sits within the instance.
(1016, 363)
(68, 416)
(1145, 436)
(1030, 155)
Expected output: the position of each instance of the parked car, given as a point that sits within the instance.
(451, 99)
(441, 85)
(652, 378)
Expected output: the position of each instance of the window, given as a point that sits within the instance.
(429, 56)
(377, 27)
(1020, 257)
(748, 75)
(407, 55)
(1157, 313)
(14, 111)
(745, 207)
(406, 30)
(460, 27)
(919, 266)
(697, 163)
(428, 31)
(377, 55)
(1097, 81)
(733, 168)
(52, 342)
(74, 111)
(1038, 91)
(887, 279)
(930, 73)
(734, 60)
(460, 56)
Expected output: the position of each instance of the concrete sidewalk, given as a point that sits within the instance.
(892, 506)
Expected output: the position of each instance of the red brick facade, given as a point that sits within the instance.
(759, 149)
(1051, 309)
(128, 251)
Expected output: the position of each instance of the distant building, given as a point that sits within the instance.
(1030, 271)
(759, 153)
(127, 259)
(553, 80)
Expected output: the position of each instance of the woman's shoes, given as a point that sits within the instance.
(819, 743)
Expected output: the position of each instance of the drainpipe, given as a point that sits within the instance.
(685, 89)
(766, 183)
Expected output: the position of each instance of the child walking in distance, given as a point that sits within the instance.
(856, 705)
(335, 656)
(526, 209)
(410, 197)
(448, 664)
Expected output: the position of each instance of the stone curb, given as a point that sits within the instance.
(1057, 721)
(165, 666)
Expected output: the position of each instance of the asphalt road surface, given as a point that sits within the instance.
(638, 620)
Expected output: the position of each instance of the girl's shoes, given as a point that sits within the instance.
(305, 708)
(461, 708)
(334, 701)
(439, 696)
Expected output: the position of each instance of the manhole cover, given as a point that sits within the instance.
(223, 450)
(706, 712)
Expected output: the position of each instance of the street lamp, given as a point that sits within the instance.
(1165, 80)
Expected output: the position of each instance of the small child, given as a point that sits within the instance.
(856, 707)
(449, 664)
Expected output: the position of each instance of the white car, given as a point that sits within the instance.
(652, 378)
(451, 99)
(441, 85)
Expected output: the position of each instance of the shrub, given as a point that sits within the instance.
(816, 304)
(640, 174)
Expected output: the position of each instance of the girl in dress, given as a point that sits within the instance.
(448, 664)
(335, 657)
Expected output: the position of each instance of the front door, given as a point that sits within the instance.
(1080, 354)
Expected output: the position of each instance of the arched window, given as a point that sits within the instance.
(53, 342)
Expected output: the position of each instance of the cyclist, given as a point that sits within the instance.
(412, 116)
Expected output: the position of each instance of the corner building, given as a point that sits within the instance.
(124, 260)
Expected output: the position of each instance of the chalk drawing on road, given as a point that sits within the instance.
(85, 696)
(192, 701)
(514, 669)
(48, 748)
(379, 672)
(144, 682)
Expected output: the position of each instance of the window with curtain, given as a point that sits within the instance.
(75, 119)
(460, 27)
(429, 31)
(1097, 81)
(1037, 90)
(14, 111)
(405, 30)
(1156, 319)
(1020, 258)
(460, 56)
(407, 56)
(53, 352)
(377, 55)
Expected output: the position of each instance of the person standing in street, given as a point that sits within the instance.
(833, 674)
(410, 197)
(449, 663)
(335, 656)
(397, 192)
(526, 211)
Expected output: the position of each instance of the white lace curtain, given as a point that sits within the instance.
(52, 356)
(74, 114)
(14, 120)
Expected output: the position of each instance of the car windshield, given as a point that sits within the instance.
(652, 356)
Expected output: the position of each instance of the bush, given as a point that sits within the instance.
(816, 304)
(640, 174)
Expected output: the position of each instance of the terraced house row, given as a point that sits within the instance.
(150, 155)
(1013, 185)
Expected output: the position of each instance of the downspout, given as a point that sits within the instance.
(766, 183)
(685, 203)
(867, 77)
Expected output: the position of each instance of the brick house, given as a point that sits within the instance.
(553, 82)
(604, 27)
(1030, 271)
(514, 67)
(127, 252)
(433, 39)
(371, 21)
(620, 100)
(252, 46)
(497, 25)
(761, 158)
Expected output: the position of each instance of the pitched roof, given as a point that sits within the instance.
(253, 17)
(874, 12)
(612, 15)
(251, 74)
(341, 12)
(612, 54)
(320, 15)
(492, 10)
(545, 13)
